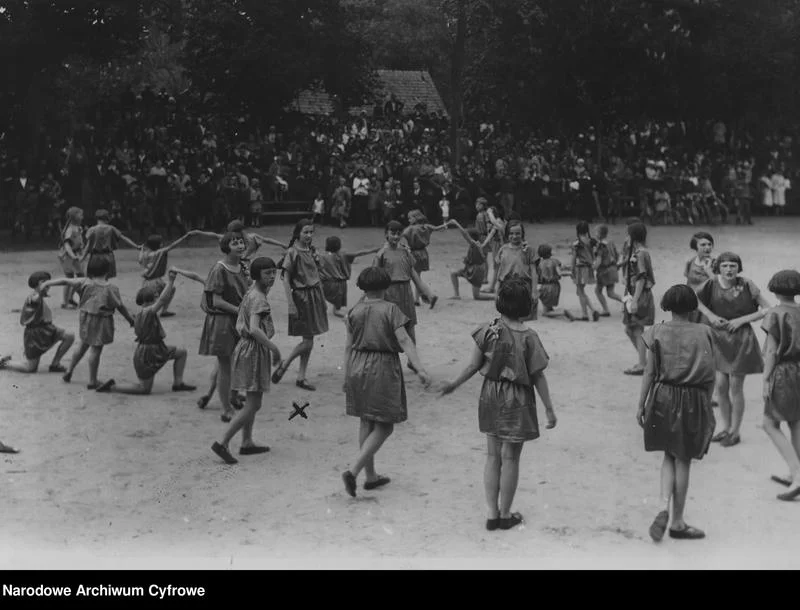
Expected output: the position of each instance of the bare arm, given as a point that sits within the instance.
(207, 234)
(647, 383)
(268, 240)
(260, 336)
(770, 360)
(90, 241)
(475, 364)
(355, 255)
(488, 239)
(764, 306)
(189, 274)
(125, 313)
(63, 281)
(177, 242)
(70, 252)
(167, 293)
(410, 350)
(441, 227)
(122, 237)
(348, 348)
(543, 389)
(287, 287)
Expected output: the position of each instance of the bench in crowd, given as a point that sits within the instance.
(285, 210)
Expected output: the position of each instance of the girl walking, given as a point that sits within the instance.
(475, 268)
(583, 269)
(675, 404)
(640, 308)
(153, 257)
(101, 241)
(374, 384)
(335, 267)
(607, 273)
(70, 252)
(418, 238)
(308, 316)
(782, 376)
(512, 360)
(252, 359)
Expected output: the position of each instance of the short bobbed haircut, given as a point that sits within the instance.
(785, 283)
(262, 263)
(510, 225)
(101, 214)
(514, 299)
(728, 257)
(697, 237)
(545, 251)
(226, 239)
(146, 295)
(394, 226)
(333, 244)
(36, 277)
(98, 267)
(582, 228)
(679, 299)
(373, 279)
(235, 226)
(154, 242)
(602, 231)
(637, 232)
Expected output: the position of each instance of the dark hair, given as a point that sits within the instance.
(393, 225)
(262, 263)
(545, 251)
(786, 283)
(727, 257)
(333, 244)
(373, 279)
(474, 234)
(146, 294)
(697, 237)
(154, 242)
(511, 224)
(235, 226)
(101, 214)
(514, 299)
(637, 232)
(298, 228)
(98, 267)
(226, 239)
(602, 231)
(679, 299)
(632, 220)
(36, 277)
(582, 228)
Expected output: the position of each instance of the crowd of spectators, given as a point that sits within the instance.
(154, 162)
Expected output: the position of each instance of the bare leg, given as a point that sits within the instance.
(63, 348)
(784, 445)
(365, 429)
(634, 333)
(598, 292)
(509, 477)
(482, 296)
(28, 366)
(491, 477)
(95, 351)
(680, 492)
(253, 402)
(724, 399)
(77, 356)
(212, 383)
(143, 388)
(242, 418)
(454, 280)
(737, 402)
(613, 295)
(224, 384)
(179, 366)
(667, 480)
(371, 446)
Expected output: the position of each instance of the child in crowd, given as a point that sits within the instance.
(512, 360)
(252, 359)
(256, 204)
(418, 237)
(40, 333)
(475, 268)
(675, 404)
(151, 352)
(606, 271)
(782, 376)
(70, 252)
(516, 260)
(334, 270)
(374, 385)
(153, 258)
(101, 241)
(308, 316)
(99, 300)
(496, 220)
(318, 208)
(583, 269)
(639, 281)
(550, 271)
(253, 241)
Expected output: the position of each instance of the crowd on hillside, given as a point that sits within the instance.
(153, 163)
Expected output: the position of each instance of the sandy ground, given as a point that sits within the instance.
(115, 481)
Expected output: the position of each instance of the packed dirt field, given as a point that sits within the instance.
(111, 481)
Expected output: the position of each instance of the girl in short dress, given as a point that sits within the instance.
(550, 272)
(782, 376)
(153, 258)
(396, 259)
(99, 301)
(640, 310)
(675, 404)
(699, 268)
(101, 241)
(731, 303)
(374, 385)
(606, 271)
(253, 241)
(308, 315)
(70, 251)
(583, 269)
(224, 290)
(252, 359)
(334, 269)
(151, 352)
(475, 268)
(40, 333)
(418, 238)
(497, 221)
(516, 260)
(512, 360)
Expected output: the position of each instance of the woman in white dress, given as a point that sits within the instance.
(779, 185)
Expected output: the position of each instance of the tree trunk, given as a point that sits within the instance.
(456, 68)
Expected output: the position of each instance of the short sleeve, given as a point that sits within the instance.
(481, 335)
(537, 358)
(260, 306)
(289, 260)
(114, 297)
(116, 236)
(350, 258)
(704, 293)
(644, 263)
(396, 317)
(648, 337)
(529, 256)
(81, 288)
(754, 290)
(771, 324)
(215, 283)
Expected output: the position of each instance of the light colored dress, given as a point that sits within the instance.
(418, 238)
(301, 267)
(398, 263)
(72, 235)
(252, 362)
(507, 404)
(783, 324)
(639, 266)
(374, 384)
(103, 240)
(679, 419)
(219, 335)
(99, 301)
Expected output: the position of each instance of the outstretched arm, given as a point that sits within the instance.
(268, 240)
(441, 227)
(167, 293)
(475, 364)
(189, 274)
(355, 255)
(62, 281)
(122, 237)
(177, 242)
(207, 234)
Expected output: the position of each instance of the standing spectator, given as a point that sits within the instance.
(361, 186)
